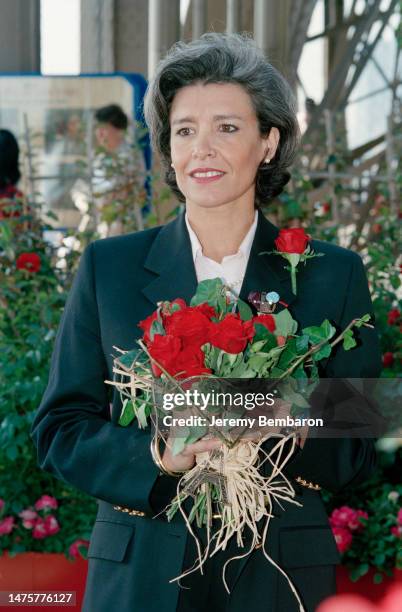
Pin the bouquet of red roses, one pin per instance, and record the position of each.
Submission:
(193, 347)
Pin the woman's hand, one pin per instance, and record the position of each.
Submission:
(186, 459)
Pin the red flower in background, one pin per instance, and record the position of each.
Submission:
(355, 524)
(29, 518)
(51, 525)
(39, 530)
(343, 538)
(347, 518)
(28, 261)
(393, 316)
(46, 501)
(232, 334)
(292, 240)
(74, 550)
(387, 359)
(6, 525)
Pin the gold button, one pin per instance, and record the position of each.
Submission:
(308, 484)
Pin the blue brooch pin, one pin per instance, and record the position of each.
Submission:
(264, 301)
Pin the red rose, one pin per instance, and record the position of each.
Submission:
(292, 240)
(164, 349)
(266, 320)
(207, 310)
(393, 316)
(28, 261)
(388, 359)
(168, 308)
(232, 334)
(146, 325)
(165, 311)
(190, 362)
(191, 325)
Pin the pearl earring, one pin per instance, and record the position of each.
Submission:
(267, 160)
(172, 165)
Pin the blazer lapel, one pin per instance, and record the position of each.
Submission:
(171, 258)
(266, 272)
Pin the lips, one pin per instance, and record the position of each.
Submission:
(206, 175)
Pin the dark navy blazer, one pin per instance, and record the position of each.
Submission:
(133, 557)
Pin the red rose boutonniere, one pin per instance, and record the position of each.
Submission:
(293, 245)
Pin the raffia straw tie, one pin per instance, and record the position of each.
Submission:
(250, 497)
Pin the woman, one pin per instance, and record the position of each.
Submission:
(223, 121)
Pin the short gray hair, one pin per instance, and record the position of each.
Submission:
(226, 58)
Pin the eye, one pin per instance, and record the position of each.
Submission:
(184, 131)
(228, 127)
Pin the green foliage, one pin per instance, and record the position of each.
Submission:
(374, 545)
(31, 304)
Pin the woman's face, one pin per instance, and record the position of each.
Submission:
(216, 145)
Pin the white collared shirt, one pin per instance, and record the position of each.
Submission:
(232, 267)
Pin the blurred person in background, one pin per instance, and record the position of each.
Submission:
(9, 174)
(117, 170)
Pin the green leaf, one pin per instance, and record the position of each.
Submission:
(245, 312)
(261, 333)
(179, 444)
(208, 291)
(129, 358)
(299, 373)
(156, 328)
(285, 324)
(289, 393)
(364, 319)
(323, 352)
(142, 414)
(257, 361)
(379, 559)
(289, 354)
(377, 578)
(127, 414)
(196, 433)
(317, 333)
(302, 344)
(348, 340)
(363, 569)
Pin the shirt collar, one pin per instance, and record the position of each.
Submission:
(244, 248)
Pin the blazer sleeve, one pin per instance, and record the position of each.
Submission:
(334, 463)
(74, 436)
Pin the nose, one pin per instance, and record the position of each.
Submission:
(202, 147)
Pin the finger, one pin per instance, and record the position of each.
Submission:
(202, 446)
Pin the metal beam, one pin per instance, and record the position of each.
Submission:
(345, 60)
(163, 29)
(233, 16)
(199, 18)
